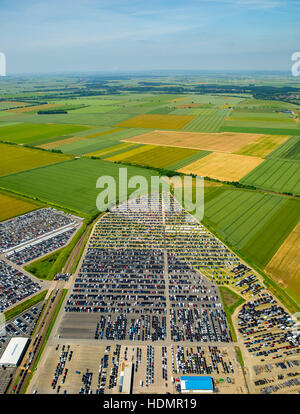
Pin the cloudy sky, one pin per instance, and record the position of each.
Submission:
(121, 35)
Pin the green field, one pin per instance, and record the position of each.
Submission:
(260, 130)
(36, 134)
(265, 104)
(289, 150)
(275, 175)
(262, 146)
(103, 141)
(161, 157)
(208, 120)
(188, 160)
(253, 222)
(14, 158)
(104, 119)
(70, 184)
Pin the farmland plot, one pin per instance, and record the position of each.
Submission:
(208, 120)
(157, 121)
(222, 166)
(289, 150)
(14, 158)
(70, 184)
(275, 175)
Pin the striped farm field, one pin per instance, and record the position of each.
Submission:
(70, 184)
(54, 144)
(89, 145)
(105, 152)
(208, 120)
(159, 157)
(109, 131)
(130, 153)
(275, 175)
(12, 207)
(284, 266)
(186, 161)
(263, 104)
(37, 134)
(108, 119)
(289, 150)
(222, 166)
(157, 121)
(14, 158)
(263, 145)
(259, 130)
(255, 223)
(227, 142)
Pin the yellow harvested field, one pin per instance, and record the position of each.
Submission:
(157, 121)
(223, 141)
(12, 207)
(284, 266)
(222, 166)
(34, 108)
(60, 142)
(130, 153)
(263, 145)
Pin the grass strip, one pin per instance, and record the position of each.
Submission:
(81, 250)
(230, 302)
(240, 357)
(15, 311)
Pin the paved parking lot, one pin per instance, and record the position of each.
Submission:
(14, 286)
(75, 368)
(138, 287)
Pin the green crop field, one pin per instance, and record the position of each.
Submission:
(103, 141)
(275, 175)
(36, 134)
(289, 150)
(160, 156)
(262, 146)
(208, 120)
(104, 119)
(14, 158)
(114, 150)
(188, 160)
(260, 130)
(265, 104)
(262, 120)
(255, 223)
(70, 184)
(216, 100)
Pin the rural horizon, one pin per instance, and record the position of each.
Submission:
(150, 203)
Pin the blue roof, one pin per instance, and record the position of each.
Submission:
(197, 383)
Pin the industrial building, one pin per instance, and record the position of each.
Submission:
(14, 352)
(196, 384)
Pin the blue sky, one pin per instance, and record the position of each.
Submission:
(121, 35)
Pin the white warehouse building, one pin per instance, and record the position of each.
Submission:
(14, 352)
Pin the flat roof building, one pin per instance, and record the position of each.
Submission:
(14, 352)
(196, 384)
